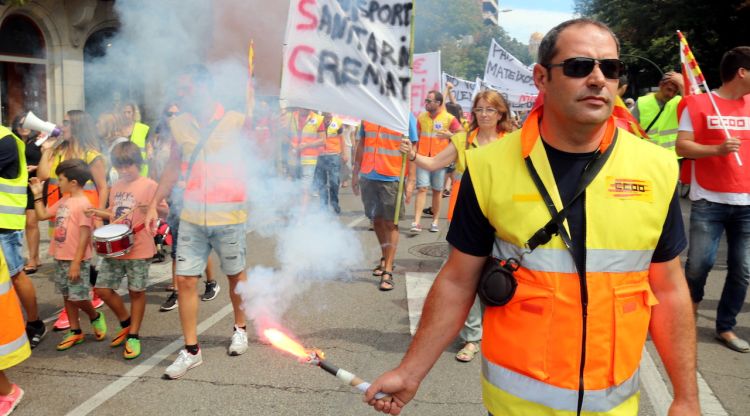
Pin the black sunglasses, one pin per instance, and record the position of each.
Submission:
(580, 67)
(172, 113)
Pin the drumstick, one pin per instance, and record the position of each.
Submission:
(128, 211)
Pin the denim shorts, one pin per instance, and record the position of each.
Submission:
(74, 291)
(435, 179)
(196, 242)
(112, 271)
(12, 244)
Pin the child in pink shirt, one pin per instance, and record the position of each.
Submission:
(128, 199)
(71, 247)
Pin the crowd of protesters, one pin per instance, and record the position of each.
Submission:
(120, 171)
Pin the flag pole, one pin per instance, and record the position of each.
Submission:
(402, 175)
(710, 95)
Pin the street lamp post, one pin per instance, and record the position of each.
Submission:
(645, 59)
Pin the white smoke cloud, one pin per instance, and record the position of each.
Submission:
(155, 40)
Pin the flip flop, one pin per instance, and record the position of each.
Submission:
(386, 284)
(465, 354)
(30, 270)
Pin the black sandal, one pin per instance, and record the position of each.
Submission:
(386, 284)
(378, 270)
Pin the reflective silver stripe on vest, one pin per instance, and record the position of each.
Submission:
(5, 287)
(214, 206)
(558, 398)
(668, 132)
(14, 345)
(89, 187)
(11, 189)
(560, 261)
(381, 151)
(385, 136)
(52, 181)
(13, 210)
(668, 145)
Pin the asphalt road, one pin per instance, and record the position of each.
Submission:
(360, 328)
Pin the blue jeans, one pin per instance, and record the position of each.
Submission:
(708, 220)
(327, 179)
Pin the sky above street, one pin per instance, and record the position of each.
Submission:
(528, 16)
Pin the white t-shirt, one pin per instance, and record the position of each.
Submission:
(696, 191)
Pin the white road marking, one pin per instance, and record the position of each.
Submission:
(133, 375)
(417, 287)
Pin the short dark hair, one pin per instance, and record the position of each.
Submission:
(623, 80)
(733, 60)
(438, 96)
(548, 46)
(126, 154)
(74, 170)
(455, 110)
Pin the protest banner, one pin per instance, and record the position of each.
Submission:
(463, 91)
(518, 101)
(350, 58)
(505, 71)
(426, 77)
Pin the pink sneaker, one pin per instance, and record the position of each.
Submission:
(62, 323)
(96, 300)
(9, 402)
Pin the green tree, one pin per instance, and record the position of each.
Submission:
(648, 29)
(442, 25)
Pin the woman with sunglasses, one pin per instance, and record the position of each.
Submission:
(79, 141)
(489, 122)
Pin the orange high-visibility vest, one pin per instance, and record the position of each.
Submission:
(532, 347)
(309, 134)
(381, 150)
(89, 188)
(720, 173)
(215, 189)
(14, 345)
(333, 138)
(429, 143)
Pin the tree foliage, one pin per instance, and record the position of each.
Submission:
(648, 29)
(443, 25)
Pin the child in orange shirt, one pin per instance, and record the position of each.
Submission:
(71, 247)
(128, 199)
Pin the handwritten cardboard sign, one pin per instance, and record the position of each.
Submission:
(507, 72)
(426, 78)
(350, 57)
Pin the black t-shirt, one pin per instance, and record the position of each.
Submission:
(9, 163)
(471, 232)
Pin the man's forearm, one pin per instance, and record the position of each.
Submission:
(167, 182)
(692, 150)
(673, 330)
(443, 315)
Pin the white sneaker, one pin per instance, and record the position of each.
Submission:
(239, 342)
(184, 362)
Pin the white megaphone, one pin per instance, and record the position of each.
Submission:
(33, 122)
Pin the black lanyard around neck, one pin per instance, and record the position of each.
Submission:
(555, 224)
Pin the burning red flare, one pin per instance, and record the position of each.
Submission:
(283, 342)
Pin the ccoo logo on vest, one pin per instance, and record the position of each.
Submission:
(733, 123)
(630, 189)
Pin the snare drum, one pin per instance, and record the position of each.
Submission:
(113, 240)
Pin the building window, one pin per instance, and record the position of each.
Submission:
(23, 68)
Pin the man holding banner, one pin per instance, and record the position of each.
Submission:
(376, 171)
(720, 188)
